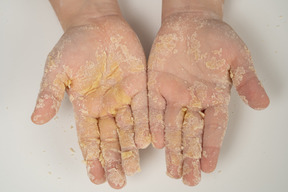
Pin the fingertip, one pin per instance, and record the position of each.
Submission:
(257, 100)
(209, 159)
(40, 118)
(115, 186)
(130, 162)
(45, 109)
(158, 144)
(173, 164)
(143, 144)
(190, 182)
(157, 136)
(116, 178)
(208, 168)
(173, 174)
(191, 172)
(262, 103)
(132, 170)
(95, 172)
(143, 138)
(35, 118)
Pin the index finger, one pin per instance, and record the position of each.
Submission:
(215, 124)
(89, 141)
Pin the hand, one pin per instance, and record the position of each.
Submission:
(101, 65)
(194, 59)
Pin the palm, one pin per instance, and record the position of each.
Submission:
(102, 67)
(190, 66)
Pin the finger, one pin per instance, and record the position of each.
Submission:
(156, 118)
(173, 124)
(89, 141)
(192, 147)
(215, 125)
(156, 109)
(51, 92)
(129, 151)
(111, 152)
(140, 114)
(246, 82)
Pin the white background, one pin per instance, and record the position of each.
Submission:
(34, 158)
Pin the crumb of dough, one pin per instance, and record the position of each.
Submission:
(201, 114)
(72, 150)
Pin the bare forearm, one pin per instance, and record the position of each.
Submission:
(80, 12)
(170, 7)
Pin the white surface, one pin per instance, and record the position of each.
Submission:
(38, 158)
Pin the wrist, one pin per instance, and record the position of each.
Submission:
(73, 13)
(206, 8)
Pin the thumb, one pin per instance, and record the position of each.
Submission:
(51, 92)
(246, 82)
